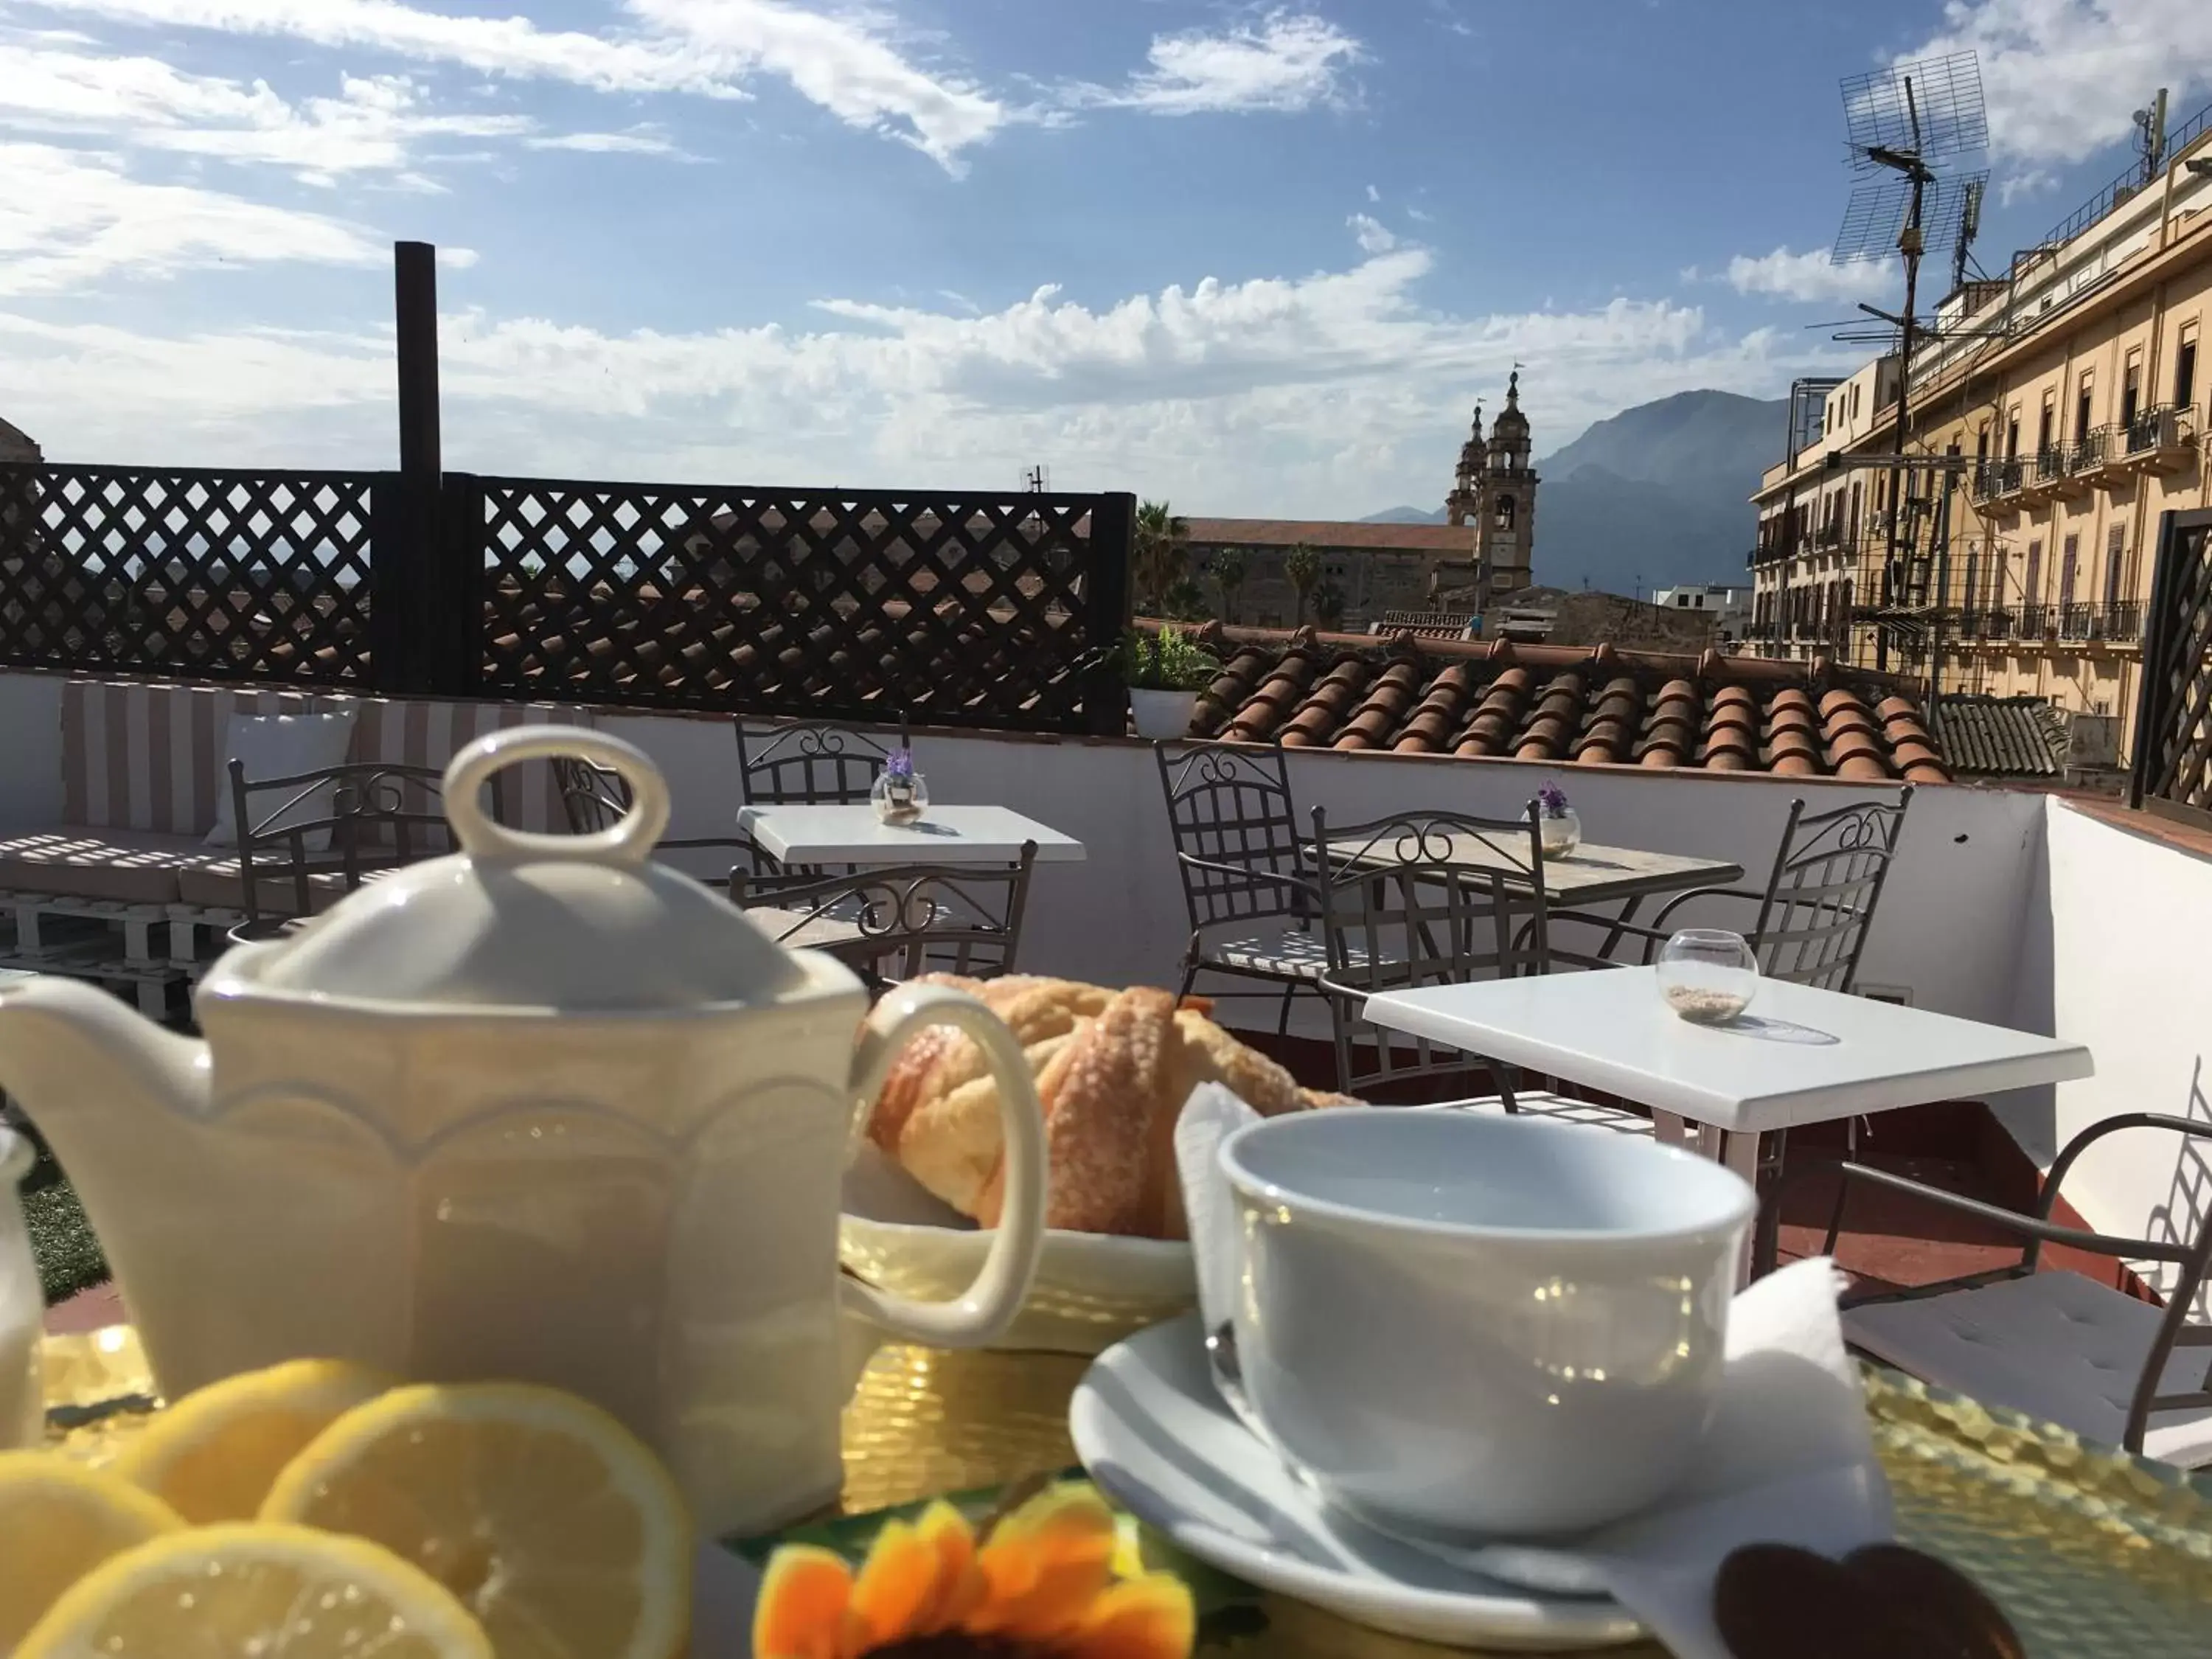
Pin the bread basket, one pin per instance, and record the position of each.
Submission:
(1091, 1289)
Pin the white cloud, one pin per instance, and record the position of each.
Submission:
(1373, 194)
(2062, 76)
(1372, 235)
(1813, 275)
(639, 141)
(1287, 62)
(708, 47)
(70, 217)
(1325, 394)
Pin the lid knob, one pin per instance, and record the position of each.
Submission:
(631, 840)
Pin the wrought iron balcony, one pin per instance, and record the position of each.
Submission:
(1993, 481)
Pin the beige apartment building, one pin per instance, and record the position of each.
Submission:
(2059, 412)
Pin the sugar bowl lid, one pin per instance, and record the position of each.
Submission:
(543, 924)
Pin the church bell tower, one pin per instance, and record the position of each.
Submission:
(1504, 501)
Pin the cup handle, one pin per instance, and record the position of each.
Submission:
(982, 1312)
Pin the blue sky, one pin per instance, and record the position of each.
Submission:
(1258, 258)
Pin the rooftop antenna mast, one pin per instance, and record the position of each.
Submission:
(1902, 122)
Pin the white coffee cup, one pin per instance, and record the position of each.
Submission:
(1478, 1325)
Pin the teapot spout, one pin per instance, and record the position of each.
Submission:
(84, 1067)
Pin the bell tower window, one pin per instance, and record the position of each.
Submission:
(1505, 512)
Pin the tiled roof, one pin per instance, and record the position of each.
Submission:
(1590, 705)
(1324, 532)
(2002, 736)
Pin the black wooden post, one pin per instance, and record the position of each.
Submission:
(415, 308)
(425, 639)
(1106, 606)
(2158, 635)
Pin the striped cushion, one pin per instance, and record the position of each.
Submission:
(140, 756)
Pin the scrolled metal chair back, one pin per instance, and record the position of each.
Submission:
(594, 797)
(1423, 898)
(809, 765)
(912, 918)
(1820, 899)
(1236, 830)
(379, 815)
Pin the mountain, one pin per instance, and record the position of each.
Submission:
(1654, 496)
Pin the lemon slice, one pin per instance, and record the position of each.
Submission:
(59, 1520)
(552, 1524)
(270, 1592)
(214, 1454)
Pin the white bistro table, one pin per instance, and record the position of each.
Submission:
(840, 833)
(1798, 1056)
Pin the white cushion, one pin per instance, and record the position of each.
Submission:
(281, 746)
(2055, 1345)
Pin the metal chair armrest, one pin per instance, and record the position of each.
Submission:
(2033, 1230)
(1659, 921)
(1298, 886)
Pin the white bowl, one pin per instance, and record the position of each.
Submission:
(1091, 1289)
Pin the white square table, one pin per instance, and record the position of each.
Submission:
(1797, 1055)
(850, 833)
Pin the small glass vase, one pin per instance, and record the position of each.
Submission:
(899, 799)
(1561, 832)
(1707, 975)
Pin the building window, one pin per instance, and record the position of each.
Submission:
(2115, 554)
(1974, 577)
(2032, 589)
(1855, 402)
(2084, 402)
(1504, 520)
(2043, 432)
(2012, 433)
(2184, 368)
(2131, 388)
(1982, 442)
(2067, 561)
(1852, 529)
(2000, 560)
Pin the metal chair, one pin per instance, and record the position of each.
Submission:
(1246, 882)
(813, 764)
(371, 816)
(594, 798)
(1402, 905)
(2054, 1345)
(964, 920)
(1811, 924)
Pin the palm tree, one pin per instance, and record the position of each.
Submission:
(1163, 554)
(1302, 569)
(1328, 604)
(1230, 569)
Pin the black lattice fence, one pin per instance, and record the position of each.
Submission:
(961, 610)
(2173, 757)
(185, 572)
(952, 609)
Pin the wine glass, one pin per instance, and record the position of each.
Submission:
(1708, 975)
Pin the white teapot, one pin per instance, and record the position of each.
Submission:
(542, 1110)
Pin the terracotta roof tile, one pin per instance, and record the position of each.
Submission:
(1562, 704)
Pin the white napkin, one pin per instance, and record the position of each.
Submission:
(1789, 1457)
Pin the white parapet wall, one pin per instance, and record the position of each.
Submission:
(1949, 929)
(2114, 955)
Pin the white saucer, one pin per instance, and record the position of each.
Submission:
(1153, 1433)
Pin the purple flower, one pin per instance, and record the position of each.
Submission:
(900, 765)
(1553, 799)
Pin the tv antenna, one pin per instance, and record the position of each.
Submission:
(1037, 480)
(1914, 127)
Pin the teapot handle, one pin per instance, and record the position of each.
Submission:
(630, 841)
(982, 1312)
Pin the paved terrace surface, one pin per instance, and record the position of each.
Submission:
(1588, 706)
